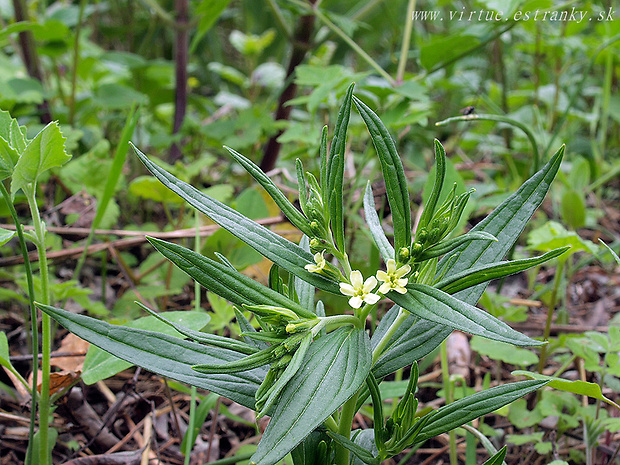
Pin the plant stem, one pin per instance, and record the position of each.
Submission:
(344, 429)
(46, 327)
(34, 327)
(378, 351)
(445, 377)
(76, 57)
(404, 51)
(500, 119)
(554, 298)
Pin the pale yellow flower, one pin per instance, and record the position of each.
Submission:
(359, 290)
(319, 259)
(393, 280)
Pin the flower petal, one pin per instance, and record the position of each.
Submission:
(347, 289)
(371, 298)
(382, 276)
(369, 284)
(385, 288)
(356, 278)
(355, 302)
(402, 271)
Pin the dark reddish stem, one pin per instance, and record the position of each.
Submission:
(180, 97)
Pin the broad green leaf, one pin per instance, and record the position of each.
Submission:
(289, 210)
(505, 352)
(552, 235)
(366, 439)
(279, 250)
(471, 407)
(225, 282)
(393, 175)
(506, 223)
(5, 359)
(374, 224)
(14, 135)
(147, 187)
(335, 170)
(481, 274)
(165, 355)
(573, 209)
(208, 11)
(99, 364)
(582, 388)
(305, 291)
(45, 151)
(5, 236)
(8, 159)
(434, 305)
(335, 367)
(413, 340)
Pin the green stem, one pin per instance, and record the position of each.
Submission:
(500, 119)
(46, 327)
(277, 13)
(76, 57)
(34, 327)
(404, 51)
(445, 377)
(554, 298)
(378, 351)
(350, 42)
(344, 429)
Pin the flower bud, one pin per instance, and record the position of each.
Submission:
(403, 255)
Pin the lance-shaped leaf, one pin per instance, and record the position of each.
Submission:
(506, 223)
(440, 175)
(471, 407)
(358, 451)
(374, 224)
(279, 250)
(481, 274)
(334, 368)
(204, 338)
(434, 305)
(414, 339)
(447, 246)
(165, 355)
(45, 151)
(219, 278)
(393, 175)
(498, 458)
(294, 215)
(335, 169)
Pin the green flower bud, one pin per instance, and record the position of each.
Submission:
(403, 255)
(421, 236)
(416, 249)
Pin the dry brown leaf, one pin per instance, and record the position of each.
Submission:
(61, 380)
(459, 354)
(71, 344)
(22, 392)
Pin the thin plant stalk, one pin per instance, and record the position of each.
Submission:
(76, 57)
(501, 119)
(46, 327)
(445, 377)
(404, 51)
(552, 303)
(344, 429)
(34, 327)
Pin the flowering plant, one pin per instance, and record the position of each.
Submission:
(310, 372)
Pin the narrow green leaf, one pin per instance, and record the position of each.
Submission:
(255, 360)
(279, 250)
(497, 459)
(246, 327)
(377, 411)
(290, 371)
(45, 151)
(471, 407)
(204, 338)
(334, 368)
(434, 305)
(505, 223)
(335, 169)
(302, 186)
(393, 174)
(225, 282)
(440, 175)
(293, 215)
(582, 388)
(481, 274)
(305, 291)
(5, 236)
(613, 254)
(447, 246)
(361, 453)
(165, 355)
(414, 339)
(374, 224)
(323, 163)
